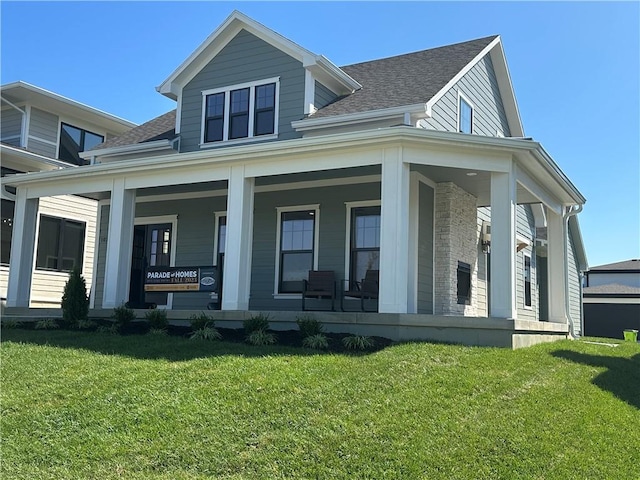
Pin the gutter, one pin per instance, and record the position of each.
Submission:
(310, 123)
(126, 149)
(573, 210)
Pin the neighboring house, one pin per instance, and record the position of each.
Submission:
(43, 131)
(279, 162)
(611, 298)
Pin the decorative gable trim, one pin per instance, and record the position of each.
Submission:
(318, 65)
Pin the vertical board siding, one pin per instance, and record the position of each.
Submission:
(43, 125)
(332, 236)
(324, 96)
(575, 292)
(480, 86)
(246, 58)
(11, 125)
(425, 249)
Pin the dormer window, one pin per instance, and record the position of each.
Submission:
(465, 115)
(240, 111)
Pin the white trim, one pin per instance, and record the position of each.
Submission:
(309, 93)
(178, 114)
(48, 142)
(216, 229)
(347, 245)
(120, 150)
(237, 141)
(316, 240)
(462, 97)
(227, 111)
(611, 299)
(173, 220)
(27, 125)
(10, 137)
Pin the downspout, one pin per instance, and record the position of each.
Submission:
(23, 124)
(571, 211)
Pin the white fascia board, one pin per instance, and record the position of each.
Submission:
(32, 160)
(461, 74)
(578, 243)
(507, 93)
(15, 87)
(554, 170)
(124, 149)
(331, 75)
(215, 42)
(528, 181)
(311, 123)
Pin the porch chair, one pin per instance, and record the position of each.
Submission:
(320, 285)
(366, 289)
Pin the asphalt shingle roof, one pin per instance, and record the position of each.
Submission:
(633, 264)
(611, 289)
(407, 79)
(159, 128)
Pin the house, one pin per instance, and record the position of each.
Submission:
(42, 131)
(611, 299)
(276, 162)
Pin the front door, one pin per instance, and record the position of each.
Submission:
(151, 248)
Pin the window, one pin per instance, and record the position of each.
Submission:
(74, 140)
(241, 111)
(7, 230)
(220, 232)
(465, 115)
(527, 281)
(60, 244)
(464, 283)
(297, 248)
(365, 241)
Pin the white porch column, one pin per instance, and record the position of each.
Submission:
(503, 246)
(394, 234)
(117, 271)
(23, 242)
(556, 262)
(239, 241)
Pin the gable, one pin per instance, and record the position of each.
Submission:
(245, 58)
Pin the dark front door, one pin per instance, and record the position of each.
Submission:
(151, 248)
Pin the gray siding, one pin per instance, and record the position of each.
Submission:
(42, 148)
(331, 254)
(480, 86)
(11, 125)
(425, 249)
(43, 125)
(575, 293)
(324, 96)
(482, 285)
(246, 58)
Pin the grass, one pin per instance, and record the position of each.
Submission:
(90, 405)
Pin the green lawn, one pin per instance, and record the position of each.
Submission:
(88, 405)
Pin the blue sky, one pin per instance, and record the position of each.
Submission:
(574, 68)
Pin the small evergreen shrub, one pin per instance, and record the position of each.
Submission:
(358, 342)
(261, 337)
(201, 320)
(123, 316)
(206, 333)
(309, 326)
(157, 319)
(75, 302)
(319, 341)
(258, 322)
(46, 324)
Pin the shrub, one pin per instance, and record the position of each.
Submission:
(111, 329)
(201, 320)
(86, 325)
(157, 331)
(10, 324)
(122, 317)
(157, 319)
(256, 323)
(46, 324)
(319, 341)
(358, 342)
(75, 302)
(206, 333)
(261, 337)
(309, 326)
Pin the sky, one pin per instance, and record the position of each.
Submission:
(574, 67)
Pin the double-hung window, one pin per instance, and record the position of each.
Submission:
(240, 111)
(60, 244)
(297, 247)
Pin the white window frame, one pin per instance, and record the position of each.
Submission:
(463, 97)
(216, 231)
(347, 246)
(227, 96)
(316, 243)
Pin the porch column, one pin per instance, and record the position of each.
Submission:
(117, 271)
(394, 234)
(556, 267)
(503, 246)
(23, 242)
(239, 241)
